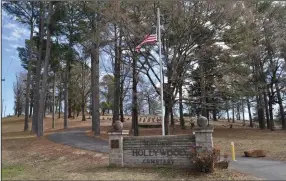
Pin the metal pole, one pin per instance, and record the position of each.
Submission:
(2, 103)
(161, 71)
(4, 111)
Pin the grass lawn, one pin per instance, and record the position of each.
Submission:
(25, 157)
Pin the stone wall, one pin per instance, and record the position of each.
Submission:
(158, 151)
(153, 151)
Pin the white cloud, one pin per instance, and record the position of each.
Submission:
(16, 33)
(10, 38)
(4, 14)
(14, 46)
(10, 26)
(8, 50)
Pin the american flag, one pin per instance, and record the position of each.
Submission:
(152, 38)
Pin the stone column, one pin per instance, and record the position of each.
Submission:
(204, 137)
(116, 147)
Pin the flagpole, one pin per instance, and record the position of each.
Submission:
(161, 71)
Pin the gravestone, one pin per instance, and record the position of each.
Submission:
(143, 120)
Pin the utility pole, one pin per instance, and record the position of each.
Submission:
(2, 107)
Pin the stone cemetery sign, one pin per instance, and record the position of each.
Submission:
(153, 151)
(158, 150)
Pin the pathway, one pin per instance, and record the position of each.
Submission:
(265, 169)
(77, 138)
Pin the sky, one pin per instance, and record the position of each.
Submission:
(13, 36)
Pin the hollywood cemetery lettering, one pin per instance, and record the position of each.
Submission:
(168, 150)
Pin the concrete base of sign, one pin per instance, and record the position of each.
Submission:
(116, 147)
(204, 138)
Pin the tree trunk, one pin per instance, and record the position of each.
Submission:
(54, 87)
(26, 126)
(270, 103)
(66, 86)
(171, 113)
(203, 91)
(149, 103)
(51, 109)
(228, 120)
(83, 110)
(121, 97)
(266, 109)
(172, 117)
(238, 111)
(249, 112)
(242, 109)
(38, 73)
(73, 116)
(182, 121)
(121, 108)
(281, 108)
(214, 114)
(31, 104)
(260, 111)
(95, 78)
(69, 107)
(233, 112)
(45, 75)
(116, 102)
(83, 93)
(67, 101)
(60, 101)
(167, 113)
(134, 98)
(45, 109)
(56, 105)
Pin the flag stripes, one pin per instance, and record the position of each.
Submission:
(148, 39)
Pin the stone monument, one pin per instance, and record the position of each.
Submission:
(117, 126)
(202, 122)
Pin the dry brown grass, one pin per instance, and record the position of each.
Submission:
(26, 157)
(274, 143)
